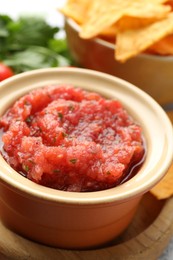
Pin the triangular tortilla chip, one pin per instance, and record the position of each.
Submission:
(76, 10)
(131, 42)
(164, 189)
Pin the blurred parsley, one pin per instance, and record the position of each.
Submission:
(30, 43)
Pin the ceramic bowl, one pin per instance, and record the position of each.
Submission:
(151, 73)
(87, 219)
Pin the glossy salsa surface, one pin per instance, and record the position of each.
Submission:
(69, 139)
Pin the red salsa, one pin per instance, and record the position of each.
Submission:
(69, 139)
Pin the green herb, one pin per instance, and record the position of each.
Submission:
(30, 43)
(73, 160)
(25, 167)
(71, 107)
(54, 139)
(64, 134)
(31, 161)
(18, 119)
(27, 103)
(28, 119)
(56, 171)
(39, 130)
(60, 115)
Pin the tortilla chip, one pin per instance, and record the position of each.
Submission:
(102, 14)
(148, 10)
(110, 32)
(164, 189)
(131, 42)
(132, 23)
(76, 10)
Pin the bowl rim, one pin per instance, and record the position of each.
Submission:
(112, 46)
(116, 194)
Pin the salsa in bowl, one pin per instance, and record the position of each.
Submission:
(73, 219)
(71, 139)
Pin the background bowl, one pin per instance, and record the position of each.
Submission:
(73, 219)
(151, 73)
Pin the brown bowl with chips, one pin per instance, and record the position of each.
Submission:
(134, 44)
(71, 219)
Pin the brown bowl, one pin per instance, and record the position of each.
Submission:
(151, 73)
(74, 219)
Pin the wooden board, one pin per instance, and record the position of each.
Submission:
(146, 237)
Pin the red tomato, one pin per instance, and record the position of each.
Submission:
(5, 72)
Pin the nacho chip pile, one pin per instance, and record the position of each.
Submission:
(164, 190)
(134, 25)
